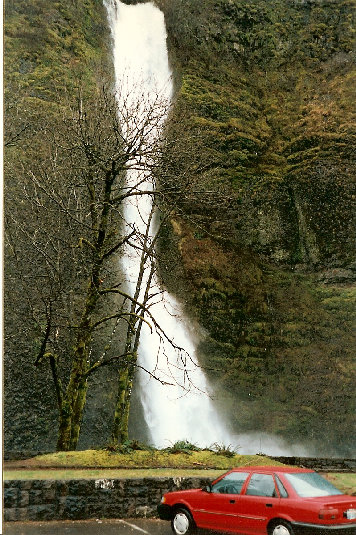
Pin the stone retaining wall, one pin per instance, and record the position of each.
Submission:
(320, 464)
(88, 498)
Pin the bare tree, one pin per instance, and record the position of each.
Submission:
(67, 234)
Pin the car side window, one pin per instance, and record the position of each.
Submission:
(230, 484)
(282, 491)
(262, 485)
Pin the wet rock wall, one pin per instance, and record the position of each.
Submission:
(38, 500)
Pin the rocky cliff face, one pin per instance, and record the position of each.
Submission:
(267, 240)
(261, 246)
(53, 52)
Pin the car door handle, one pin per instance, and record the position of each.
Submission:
(269, 505)
(232, 501)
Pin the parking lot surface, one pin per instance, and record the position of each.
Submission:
(90, 527)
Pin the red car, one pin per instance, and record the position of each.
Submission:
(260, 500)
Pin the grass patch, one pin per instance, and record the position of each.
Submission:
(345, 482)
(96, 459)
(151, 459)
(109, 474)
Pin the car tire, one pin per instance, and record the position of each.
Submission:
(280, 527)
(182, 522)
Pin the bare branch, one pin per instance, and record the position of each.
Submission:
(121, 358)
(117, 246)
(121, 315)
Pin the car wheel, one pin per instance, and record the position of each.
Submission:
(280, 527)
(182, 522)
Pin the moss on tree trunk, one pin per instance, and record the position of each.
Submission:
(120, 431)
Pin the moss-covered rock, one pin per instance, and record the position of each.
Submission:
(54, 51)
(268, 88)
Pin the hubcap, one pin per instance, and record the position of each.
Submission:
(280, 530)
(181, 523)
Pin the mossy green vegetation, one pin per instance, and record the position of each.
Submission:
(268, 87)
(55, 53)
(281, 343)
(151, 458)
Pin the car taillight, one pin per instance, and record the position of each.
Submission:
(328, 513)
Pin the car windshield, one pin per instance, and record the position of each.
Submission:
(311, 484)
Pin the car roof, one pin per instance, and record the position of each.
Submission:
(273, 468)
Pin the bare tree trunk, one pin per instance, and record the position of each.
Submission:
(70, 414)
(71, 411)
(78, 410)
(120, 431)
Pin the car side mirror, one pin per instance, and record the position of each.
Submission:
(208, 488)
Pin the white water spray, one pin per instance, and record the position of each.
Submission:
(181, 409)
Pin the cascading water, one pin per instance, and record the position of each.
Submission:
(180, 409)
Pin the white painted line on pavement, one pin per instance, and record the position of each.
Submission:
(134, 527)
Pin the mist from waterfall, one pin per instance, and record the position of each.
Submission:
(182, 408)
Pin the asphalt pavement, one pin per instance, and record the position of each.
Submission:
(135, 526)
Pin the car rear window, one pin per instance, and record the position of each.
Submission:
(311, 485)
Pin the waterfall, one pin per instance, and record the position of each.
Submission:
(180, 409)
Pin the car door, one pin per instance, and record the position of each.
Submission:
(258, 503)
(219, 509)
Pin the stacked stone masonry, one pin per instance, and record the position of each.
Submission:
(320, 464)
(88, 498)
